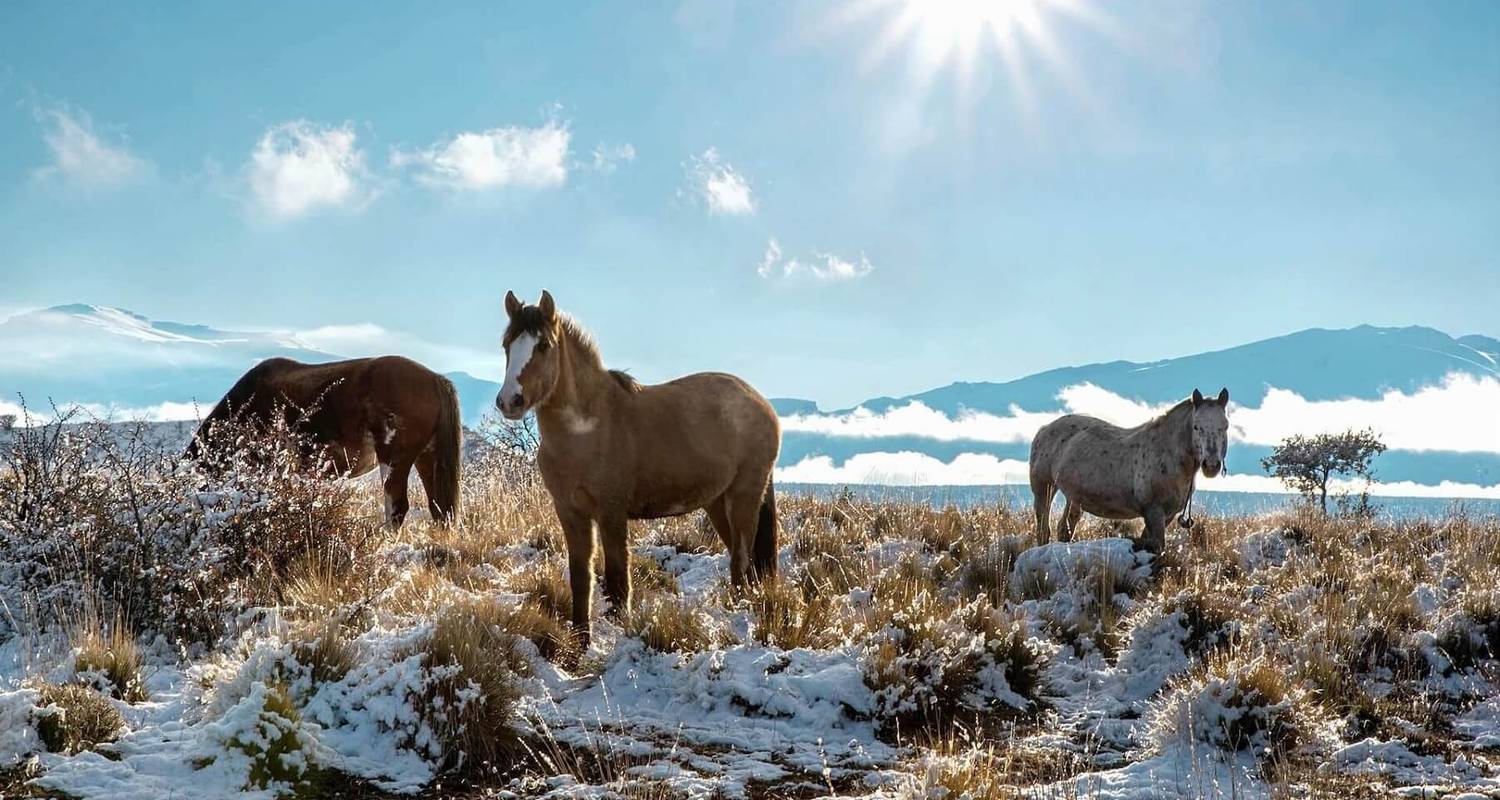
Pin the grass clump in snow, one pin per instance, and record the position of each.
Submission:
(666, 624)
(76, 718)
(325, 649)
(931, 659)
(476, 670)
(790, 615)
(110, 662)
(1234, 704)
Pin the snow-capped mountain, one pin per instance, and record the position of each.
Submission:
(112, 357)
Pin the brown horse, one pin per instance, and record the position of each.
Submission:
(388, 411)
(1123, 473)
(613, 450)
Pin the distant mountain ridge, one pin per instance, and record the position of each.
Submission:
(108, 356)
(1318, 364)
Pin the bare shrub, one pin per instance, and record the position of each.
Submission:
(98, 517)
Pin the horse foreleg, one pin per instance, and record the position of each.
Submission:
(578, 532)
(614, 534)
(1155, 536)
(393, 479)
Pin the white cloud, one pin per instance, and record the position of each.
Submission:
(161, 412)
(1457, 415)
(721, 186)
(908, 468)
(299, 166)
(609, 157)
(496, 158)
(362, 340)
(821, 267)
(80, 156)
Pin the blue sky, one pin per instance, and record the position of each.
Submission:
(1135, 181)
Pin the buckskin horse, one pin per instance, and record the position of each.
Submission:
(613, 450)
(1123, 473)
(389, 412)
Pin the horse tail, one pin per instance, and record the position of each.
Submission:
(447, 443)
(766, 548)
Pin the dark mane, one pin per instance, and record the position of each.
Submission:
(625, 380)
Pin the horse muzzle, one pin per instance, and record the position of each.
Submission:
(513, 407)
(1211, 469)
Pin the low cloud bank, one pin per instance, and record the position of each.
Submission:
(908, 468)
(1457, 415)
(87, 412)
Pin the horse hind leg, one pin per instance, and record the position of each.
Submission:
(1069, 522)
(425, 474)
(742, 508)
(1042, 497)
(393, 479)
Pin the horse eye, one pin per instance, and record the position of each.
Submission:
(543, 345)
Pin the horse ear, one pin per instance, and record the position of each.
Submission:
(1197, 398)
(548, 307)
(512, 304)
(1224, 396)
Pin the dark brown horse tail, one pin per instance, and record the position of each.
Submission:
(447, 444)
(766, 548)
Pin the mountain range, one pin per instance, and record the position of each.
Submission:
(109, 356)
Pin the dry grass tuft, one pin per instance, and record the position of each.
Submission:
(475, 668)
(110, 662)
(666, 624)
(77, 718)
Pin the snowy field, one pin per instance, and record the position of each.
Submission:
(164, 633)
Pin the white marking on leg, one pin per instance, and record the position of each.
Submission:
(519, 354)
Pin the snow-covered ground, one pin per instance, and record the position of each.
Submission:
(938, 656)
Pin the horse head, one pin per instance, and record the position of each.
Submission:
(1210, 431)
(532, 364)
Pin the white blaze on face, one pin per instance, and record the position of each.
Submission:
(516, 358)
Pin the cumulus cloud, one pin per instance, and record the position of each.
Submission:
(80, 156)
(609, 157)
(908, 468)
(298, 167)
(821, 266)
(1457, 415)
(720, 185)
(497, 158)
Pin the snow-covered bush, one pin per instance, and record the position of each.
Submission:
(99, 519)
(930, 660)
(261, 742)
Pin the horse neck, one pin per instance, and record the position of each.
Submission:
(582, 382)
(1174, 432)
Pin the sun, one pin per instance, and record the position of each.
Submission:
(963, 38)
